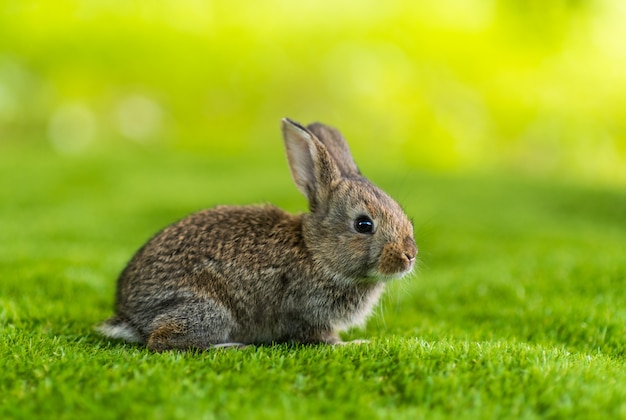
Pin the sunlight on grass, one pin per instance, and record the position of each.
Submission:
(517, 309)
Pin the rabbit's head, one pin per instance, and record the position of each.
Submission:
(354, 230)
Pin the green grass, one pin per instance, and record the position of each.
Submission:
(518, 308)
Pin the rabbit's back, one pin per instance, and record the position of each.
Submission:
(225, 235)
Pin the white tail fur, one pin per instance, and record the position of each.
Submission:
(119, 330)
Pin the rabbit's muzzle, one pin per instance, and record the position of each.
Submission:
(398, 258)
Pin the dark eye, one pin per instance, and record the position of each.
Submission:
(364, 224)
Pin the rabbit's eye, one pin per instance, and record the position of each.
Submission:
(364, 224)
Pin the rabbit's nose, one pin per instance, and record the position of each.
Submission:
(410, 249)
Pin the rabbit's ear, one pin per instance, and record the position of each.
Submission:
(337, 147)
(312, 168)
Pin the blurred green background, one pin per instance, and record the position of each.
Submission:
(512, 85)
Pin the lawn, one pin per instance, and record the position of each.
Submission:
(518, 308)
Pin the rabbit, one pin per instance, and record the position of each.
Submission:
(255, 275)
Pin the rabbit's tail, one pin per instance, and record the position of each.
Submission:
(119, 328)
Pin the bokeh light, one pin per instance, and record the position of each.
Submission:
(528, 86)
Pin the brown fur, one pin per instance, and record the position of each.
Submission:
(260, 275)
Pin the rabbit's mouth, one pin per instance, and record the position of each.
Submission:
(377, 275)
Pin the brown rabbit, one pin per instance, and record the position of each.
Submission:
(251, 275)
